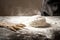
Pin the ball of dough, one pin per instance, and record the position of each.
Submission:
(38, 21)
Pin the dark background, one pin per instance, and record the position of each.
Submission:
(19, 7)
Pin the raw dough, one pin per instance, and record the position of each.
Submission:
(39, 21)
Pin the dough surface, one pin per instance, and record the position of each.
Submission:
(39, 21)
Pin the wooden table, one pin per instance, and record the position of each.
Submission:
(31, 33)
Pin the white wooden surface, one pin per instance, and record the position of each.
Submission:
(54, 21)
